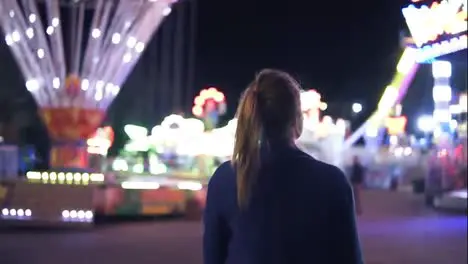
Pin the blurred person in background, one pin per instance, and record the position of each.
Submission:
(274, 204)
(357, 181)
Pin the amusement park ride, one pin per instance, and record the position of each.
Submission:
(74, 69)
(74, 77)
(438, 28)
(432, 37)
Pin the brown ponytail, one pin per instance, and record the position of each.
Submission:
(246, 156)
(269, 110)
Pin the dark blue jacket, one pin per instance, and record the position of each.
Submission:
(301, 211)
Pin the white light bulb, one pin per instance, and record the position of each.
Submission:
(65, 214)
(96, 33)
(32, 18)
(50, 30)
(127, 57)
(20, 212)
(89, 215)
(131, 42)
(40, 53)
(116, 38)
(167, 11)
(109, 87)
(56, 83)
(30, 33)
(8, 40)
(55, 22)
(32, 85)
(140, 46)
(15, 36)
(81, 214)
(11, 13)
(73, 214)
(98, 95)
(27, 212)
(115, 90)
(100, 85)
(84, 84)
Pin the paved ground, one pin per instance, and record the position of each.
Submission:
(395, 229)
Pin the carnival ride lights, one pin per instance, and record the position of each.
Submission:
(74, 90)
(138, 142)
(151, 185)
(428, 23)
(393, 94)
(321, 137)
(442, 92)
(16, 213)
(179, 135)
(138, 138)
(178, 146)
(65, 177)
(100, 142)
(188, 138)
(324, 140)
(425, 123)
(175, 135)
(77, 215)
(209, 105)
(311, 105)
(463, 103)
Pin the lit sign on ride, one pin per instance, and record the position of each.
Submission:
(396, 125)
(437, 27)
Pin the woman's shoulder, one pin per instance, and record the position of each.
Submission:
(223, 173)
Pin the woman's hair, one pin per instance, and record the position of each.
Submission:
(268, 110)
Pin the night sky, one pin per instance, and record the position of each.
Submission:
(347, 50)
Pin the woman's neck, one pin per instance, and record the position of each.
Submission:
(280, 142)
